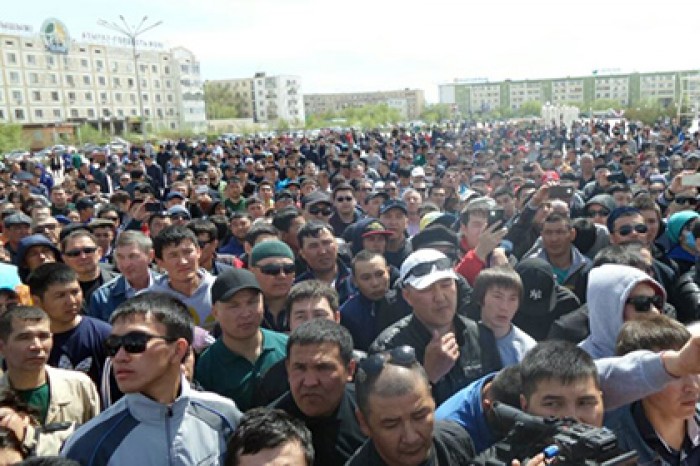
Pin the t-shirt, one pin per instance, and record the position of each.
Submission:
(82, 348)
(229, 374)
(514, 345)
(38, 398)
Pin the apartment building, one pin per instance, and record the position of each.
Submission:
(409, 102)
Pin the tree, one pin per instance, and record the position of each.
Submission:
(649, 111)
(436, 113)
(367, 116)
(531, 108)
(11, 138)
(221, 102)
(88, 133)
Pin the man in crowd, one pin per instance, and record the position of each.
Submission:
(151, 336)
(394, 215)
(133, 256)
(244, 351)
(82, 254)
(272, 263)
(345, 212)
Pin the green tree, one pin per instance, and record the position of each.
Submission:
(222, 102)
(436, 113)
(606, 104)
(11, 138)
(531, 108)
(649, 111)
(88, 133)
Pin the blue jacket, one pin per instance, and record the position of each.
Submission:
(140, 431)
(106, 298)
(343, 284)
(465, 408)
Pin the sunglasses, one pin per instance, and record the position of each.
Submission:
(426, 268)
(179, 217)
(643, 303)
(78, 252)
(370, 367)
(325, 211)
(276, 269)
(133, 342)
(686, 200)
(626, 230)
(344, 199)
(598, 213)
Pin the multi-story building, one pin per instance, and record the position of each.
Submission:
(410, 102)
(266, 99)
(626, 89)
(48, 78)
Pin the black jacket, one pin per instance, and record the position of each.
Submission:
(687, 297)
(335, 438)
(452, 446)
(478, 353)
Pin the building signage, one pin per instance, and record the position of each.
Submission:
(14, 28)
(55, 36)
(120, 41)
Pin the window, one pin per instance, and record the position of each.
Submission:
(84, 62)
(118, 96)
(38, 113)
(117, 82)
(156, 84)
(143, 68)
(154, 68)
(14, 77)
(54, 96)
(166, 69)
(70, 80)
(91, 113)
(2, 114)
(101, 81)
(71, 96)
(33, 78)
(130, 82)
(50, 60)
(158, 98)
(74, 113)
(31, 59)
(88, 96)
(105, 112)
(170, 98)
(103, 97)
(98, 63)
(11, 58)
(86, 80)
(132, 98)
(36, 96)
(53, 79)
(115, 67)
(19, 114)
(120, 112)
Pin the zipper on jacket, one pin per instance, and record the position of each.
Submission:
(168, 442)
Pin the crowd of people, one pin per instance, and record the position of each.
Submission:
(360, 298)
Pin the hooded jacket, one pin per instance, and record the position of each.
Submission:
(608, 288)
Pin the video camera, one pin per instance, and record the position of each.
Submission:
(578, 444)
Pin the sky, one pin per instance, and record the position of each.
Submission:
(368, 45)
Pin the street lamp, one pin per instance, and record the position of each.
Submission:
(132, 33)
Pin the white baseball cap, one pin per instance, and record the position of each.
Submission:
(424, 267)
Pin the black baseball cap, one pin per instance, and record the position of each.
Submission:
(231, 282)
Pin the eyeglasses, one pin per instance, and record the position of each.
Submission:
(203, 243)
(133, 342)
(344, 199)
(78, 252)
(643, 303)
(179, 217)
(626, 230)
(370, 367)
(426, 268)
(598, 213)
(325, 211)
(686, 200)
(276, 269)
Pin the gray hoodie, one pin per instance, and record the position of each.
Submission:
(608, 288)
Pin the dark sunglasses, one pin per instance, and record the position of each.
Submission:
(325, 211)
(78, 252)
(179, 217)
(133, 342)
(276, 269)
(643, 303)
(626, 230)
(370, 367)
(598, 213)
(686, 200)
(344, 199)
(425, 268)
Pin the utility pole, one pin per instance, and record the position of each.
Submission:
(132, 33)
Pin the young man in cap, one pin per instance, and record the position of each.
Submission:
(16, 227)
(35, 250)
(367, 234)
(317, 206)
(394, 215)
(345, 212)
(272, 263)
(244, 351)
(81, 253)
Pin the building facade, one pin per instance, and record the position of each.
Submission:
(409, 102)
(627, 89)
(266, 99)
(49, 78)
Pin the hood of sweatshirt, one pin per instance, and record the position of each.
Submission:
(608, 288)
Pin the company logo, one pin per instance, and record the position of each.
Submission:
(55, 36)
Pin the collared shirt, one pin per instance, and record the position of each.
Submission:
(130, 291)
(229, 374)
(688, 455)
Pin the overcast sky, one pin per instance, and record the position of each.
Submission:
(365, 45)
